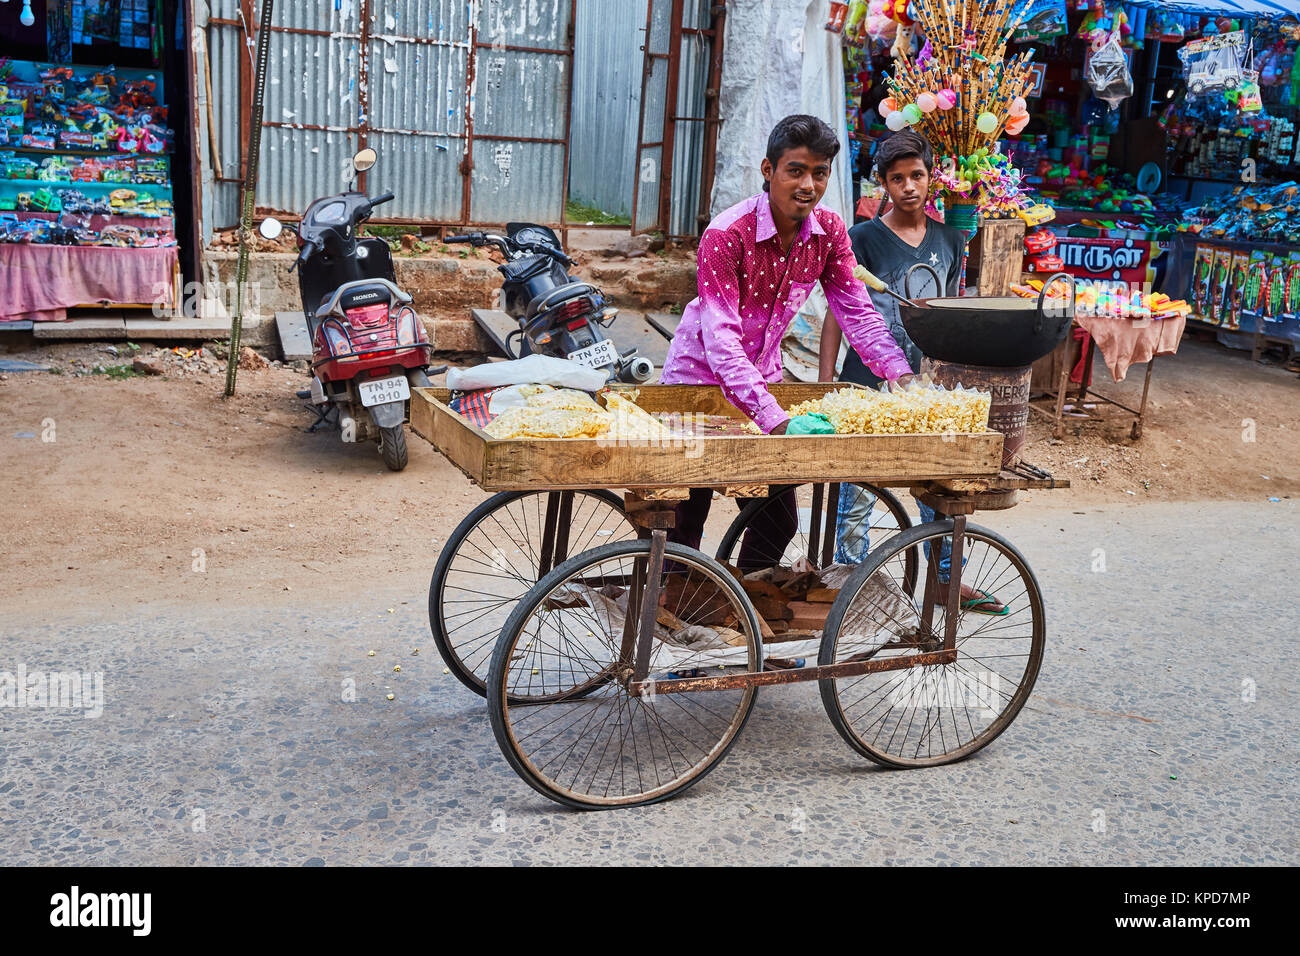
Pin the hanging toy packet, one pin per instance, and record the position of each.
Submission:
(1213, 64)
(1040, 21)
(1108, 74)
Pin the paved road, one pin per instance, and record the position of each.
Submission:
(224, 737)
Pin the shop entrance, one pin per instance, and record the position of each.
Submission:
(96, 200)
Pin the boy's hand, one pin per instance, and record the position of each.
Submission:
(902, 380)
(780, 429)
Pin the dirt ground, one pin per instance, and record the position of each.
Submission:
(144, 480)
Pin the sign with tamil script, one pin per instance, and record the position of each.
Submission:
(1125, 260)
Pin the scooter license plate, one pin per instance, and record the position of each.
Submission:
(596, 356)
(381, 391)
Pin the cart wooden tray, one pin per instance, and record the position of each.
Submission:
(703, 460)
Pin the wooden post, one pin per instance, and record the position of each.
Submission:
(997, 252)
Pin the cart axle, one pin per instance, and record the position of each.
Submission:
(759, 678)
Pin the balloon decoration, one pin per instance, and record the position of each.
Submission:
(912, 113)
(896, 120)
(970, 65)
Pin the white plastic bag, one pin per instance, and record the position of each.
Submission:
(529, 370)
(1108, 74)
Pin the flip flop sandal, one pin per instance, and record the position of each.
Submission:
(684, 675)
(973, 604)
(783, 663)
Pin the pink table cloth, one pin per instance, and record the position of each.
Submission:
(40, 282)
(1125, 342)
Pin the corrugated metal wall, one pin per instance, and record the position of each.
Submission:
(521, 100)
(608, 64)
(408, 98)
(443, 80)
(225, 46)
(684, 123)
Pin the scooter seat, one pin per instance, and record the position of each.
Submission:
(362, 292)
(558, 296)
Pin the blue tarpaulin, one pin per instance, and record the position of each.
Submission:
(1260, 9)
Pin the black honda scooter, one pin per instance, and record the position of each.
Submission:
(558, 314)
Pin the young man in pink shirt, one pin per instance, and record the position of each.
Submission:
(757, 263)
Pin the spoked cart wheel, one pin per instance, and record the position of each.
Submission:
(572, 688)
(956, 678)
(811, 510)
(497, 553)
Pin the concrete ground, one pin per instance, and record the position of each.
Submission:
(1163, 730)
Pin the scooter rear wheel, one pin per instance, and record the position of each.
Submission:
(392, 447)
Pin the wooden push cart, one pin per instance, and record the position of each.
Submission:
(619, 668)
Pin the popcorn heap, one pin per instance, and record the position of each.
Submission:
(630, 421)
(917, 409)
(551, 413)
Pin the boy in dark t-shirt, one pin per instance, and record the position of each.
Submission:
(889, 246)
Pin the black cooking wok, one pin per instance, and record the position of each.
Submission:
(996, 331)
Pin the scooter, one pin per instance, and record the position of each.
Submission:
(558, 314)
(368, 345)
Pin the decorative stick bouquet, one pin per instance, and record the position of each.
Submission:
(961, 91)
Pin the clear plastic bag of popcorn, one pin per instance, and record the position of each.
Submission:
(540, 422)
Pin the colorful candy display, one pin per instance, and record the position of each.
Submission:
(1117, 300)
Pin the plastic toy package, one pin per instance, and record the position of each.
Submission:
(1213, 64)
(1266, 214)
(1042, 21)
(1108, 75)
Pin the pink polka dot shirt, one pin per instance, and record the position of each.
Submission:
(750, 291)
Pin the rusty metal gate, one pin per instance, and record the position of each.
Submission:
(467, 103)
(678, 130)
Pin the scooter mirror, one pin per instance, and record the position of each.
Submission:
(270, 228)
(364, 159)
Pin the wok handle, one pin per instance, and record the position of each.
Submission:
(1051, 280)
(907, 279)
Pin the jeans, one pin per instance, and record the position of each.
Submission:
(853, 526)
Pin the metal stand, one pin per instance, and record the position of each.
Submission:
(329, 417)
(1057, 416)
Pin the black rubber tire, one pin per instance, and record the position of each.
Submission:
(499, 702)
(731, 539)
(879, 556)
(392, 447)
(451, 654)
